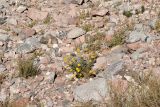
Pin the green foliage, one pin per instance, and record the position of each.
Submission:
(116, 40)
(94, 43)
(157, 28)
(2, 77)
(33, 23)
(83, 15)
(88, 27)
(127, 13)
(142, 9)
(27, 68)
(80, 66)
(47, 20)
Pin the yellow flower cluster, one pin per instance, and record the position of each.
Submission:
(80, 66)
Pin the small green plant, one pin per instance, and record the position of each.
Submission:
(127, 13)
(94, 42)
(88, 27)
(47, 20)
(84, 15)
(2, 77)
(142, 9)
(116, 40)
(80, 66)
(27, 68)
(32, 23)
(157, 28)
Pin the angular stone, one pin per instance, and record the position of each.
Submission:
(12, 21)
(2, 20)
(101, 12)
(95, 90)
(21, 9)
(35, 14)
(76, 32)
(112, 70)
(136, 36)
(4, 37)
(28, 32)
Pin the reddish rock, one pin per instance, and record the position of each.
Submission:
(35, 14)
(134, 46)
(119, 85)
(100, 12)
(29, 32)
(22, 102)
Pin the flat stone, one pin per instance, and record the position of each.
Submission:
(30, 45)
(76, 32)
(36, 14)
(21, 9)
(28, 32)
(95, 90)
(100, 12)
(12, 21)
(2, 20)
(4, 37)
(136, 36)
(2, 68)
(101, 63)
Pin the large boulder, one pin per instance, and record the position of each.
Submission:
(95, 90)
(76, 32)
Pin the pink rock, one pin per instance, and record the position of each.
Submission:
(100, 12)
(101, 62)
(35, 14)
(29, 32)
(119, 85)
(44, 60)
(134, 46)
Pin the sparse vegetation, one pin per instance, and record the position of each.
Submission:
(127, 13)
(117, 39)
(79, 65)
(27, 68)
(83, 14)
(144, 92)
(32, 23)
(47, 20)
(88, 27)
(94, 42)
(157, 28)
(2, 77)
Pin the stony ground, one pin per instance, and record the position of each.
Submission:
(54, 28)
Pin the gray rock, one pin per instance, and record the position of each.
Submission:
(3, 95)
(25, 48)
(136, 36)
(76, 32)
(152, 23)
(4, 37)
(32, 41)
(114, 57)
(49, 39)
(80, 2)
(95, 90)
(2, 68)
(30, 45)
(12, 21)
(21, 9)
(50, 77)
(112, 70)
(138, 27)
(137, 54)
(2, 20)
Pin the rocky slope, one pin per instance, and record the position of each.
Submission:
(54, 28)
